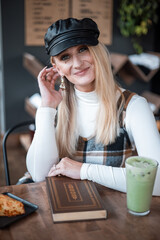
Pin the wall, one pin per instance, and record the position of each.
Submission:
(18, 83)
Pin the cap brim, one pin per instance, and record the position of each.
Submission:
(67, 43)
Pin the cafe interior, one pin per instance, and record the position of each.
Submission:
(135, 61)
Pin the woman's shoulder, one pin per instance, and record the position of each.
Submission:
(124, 96)
(137, 100)
(138, 105)
(132, 98)
(132, 102)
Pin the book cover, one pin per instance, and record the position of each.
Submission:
(74, 200)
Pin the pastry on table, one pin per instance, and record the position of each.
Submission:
(10, 207)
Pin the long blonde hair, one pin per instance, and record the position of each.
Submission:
(107, 118)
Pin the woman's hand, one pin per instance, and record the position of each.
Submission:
(66, 167)
(46, 81)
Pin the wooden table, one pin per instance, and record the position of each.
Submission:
(119, 225)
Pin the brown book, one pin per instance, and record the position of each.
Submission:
(74, 200)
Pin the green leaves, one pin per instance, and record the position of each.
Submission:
(136, 18)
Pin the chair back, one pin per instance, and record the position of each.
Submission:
(24, 124)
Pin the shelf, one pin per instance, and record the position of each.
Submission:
(129, 71)
(152, 98)
(33, 65)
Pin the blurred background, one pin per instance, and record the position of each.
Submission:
(17, 83)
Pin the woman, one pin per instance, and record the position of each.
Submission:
(90, 126)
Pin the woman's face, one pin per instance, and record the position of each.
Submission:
(77, 65)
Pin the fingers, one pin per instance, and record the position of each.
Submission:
(66, 167)
(51, 74)
(48, 75)
(41, 75)
(54, 171)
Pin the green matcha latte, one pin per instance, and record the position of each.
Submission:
(140, 177)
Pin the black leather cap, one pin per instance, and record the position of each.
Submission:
(70, 32)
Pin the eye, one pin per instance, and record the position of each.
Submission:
(64, 57)
(83, 49)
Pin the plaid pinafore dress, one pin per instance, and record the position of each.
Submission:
(113, 154)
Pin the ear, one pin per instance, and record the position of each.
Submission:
(57, 68)
(54, 65)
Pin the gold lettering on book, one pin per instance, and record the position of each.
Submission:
(72, 191)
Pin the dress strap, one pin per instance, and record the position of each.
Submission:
(127, 95)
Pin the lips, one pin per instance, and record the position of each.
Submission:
(81, 72)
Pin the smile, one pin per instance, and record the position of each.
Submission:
(81, 72)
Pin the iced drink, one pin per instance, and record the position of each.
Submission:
(140, 177)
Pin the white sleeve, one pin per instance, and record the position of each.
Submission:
(142, 129)
(43, 152)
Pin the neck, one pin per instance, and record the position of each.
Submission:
(88, 88)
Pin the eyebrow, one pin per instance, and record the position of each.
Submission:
(63, 53)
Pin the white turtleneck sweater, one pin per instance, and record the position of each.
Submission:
(140, 126)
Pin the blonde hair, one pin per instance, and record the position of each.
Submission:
(107, 118)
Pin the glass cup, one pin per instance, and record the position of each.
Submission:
(140, 178)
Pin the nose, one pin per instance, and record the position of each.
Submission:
(77, 61)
